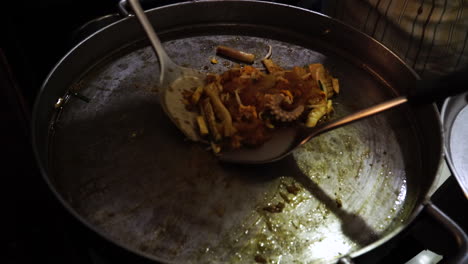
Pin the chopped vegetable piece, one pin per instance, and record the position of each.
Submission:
(235, 54)
(220, 110)
(196, 95)
(315, 114)
(202, 126)
(271, 66)
(209, 115)
(336, 85)
(329, 106)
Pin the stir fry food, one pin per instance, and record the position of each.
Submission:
(244, 105)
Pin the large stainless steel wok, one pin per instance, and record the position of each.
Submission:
(119, 165)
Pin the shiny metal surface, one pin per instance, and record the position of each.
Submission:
(287, 140)
(455, 120)
(120, 166)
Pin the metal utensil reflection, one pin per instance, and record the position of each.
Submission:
(285, 141)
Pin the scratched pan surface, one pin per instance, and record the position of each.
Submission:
(121, 167)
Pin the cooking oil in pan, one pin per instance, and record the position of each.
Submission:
(342, 197)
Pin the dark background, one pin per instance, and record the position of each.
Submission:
(34, 35)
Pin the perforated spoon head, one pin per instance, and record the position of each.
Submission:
(174, 80)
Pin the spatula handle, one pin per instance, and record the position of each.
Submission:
(164, 61)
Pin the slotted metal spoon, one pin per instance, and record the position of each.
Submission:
(174, 79)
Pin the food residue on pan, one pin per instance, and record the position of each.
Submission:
(235, 54)
(244, 105)
(214, 60)
(274, 208)
(260, 259)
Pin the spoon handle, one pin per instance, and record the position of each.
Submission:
(367, 112)
(425, 91)
(164, 61)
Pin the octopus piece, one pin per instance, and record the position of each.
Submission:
(273, 102)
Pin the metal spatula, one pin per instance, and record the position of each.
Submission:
(174, 79)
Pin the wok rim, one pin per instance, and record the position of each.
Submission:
(415, 212)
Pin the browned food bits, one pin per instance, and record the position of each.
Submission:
(276, 208)
(243, 106)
